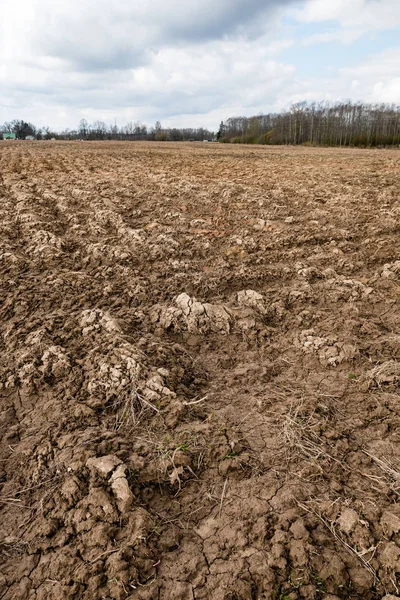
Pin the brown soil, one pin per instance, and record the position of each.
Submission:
(199, 372)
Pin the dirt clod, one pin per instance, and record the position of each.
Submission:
(199, 372)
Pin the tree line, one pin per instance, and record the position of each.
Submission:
(101, 131)
(320, 124)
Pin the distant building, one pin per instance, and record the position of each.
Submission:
(7, 135)
(30, 137)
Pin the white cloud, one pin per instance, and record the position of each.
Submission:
(388, 91)
(329, 10)
(375, 79)
(155, 58)
(354, 18)
(378, 77)
(118, 34)
(341, 36)
(215, 78)
(186, 62)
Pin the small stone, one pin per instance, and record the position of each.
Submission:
(193, 340)
(389, 556)
(207, 528)
(259, 225)
(163, 372)
(104, 465)
(299, 530)
(121, 489)
(348, 520)
(390, 523)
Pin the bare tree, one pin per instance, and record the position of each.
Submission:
(338, 124)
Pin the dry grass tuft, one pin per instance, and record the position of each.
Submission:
(301, 437)
(330, 525)
(131, 409)
(384, 374)
(392, 473)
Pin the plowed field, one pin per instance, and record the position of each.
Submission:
(199, 372)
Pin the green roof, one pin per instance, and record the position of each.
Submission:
(9, 136)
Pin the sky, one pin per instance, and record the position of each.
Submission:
(191, 63)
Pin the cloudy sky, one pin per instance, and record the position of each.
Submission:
(191, 62)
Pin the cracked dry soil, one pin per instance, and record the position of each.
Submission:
(199, 372)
